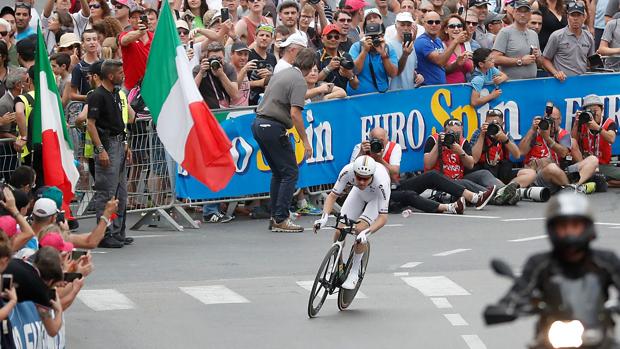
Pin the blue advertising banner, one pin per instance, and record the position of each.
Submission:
(410, 116)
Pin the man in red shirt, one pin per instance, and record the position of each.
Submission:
(135, 46)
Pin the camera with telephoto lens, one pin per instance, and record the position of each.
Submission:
(215, 63)
(545, 123)
(376, 146)
(449, 138)
(493, 129)
(585, 117)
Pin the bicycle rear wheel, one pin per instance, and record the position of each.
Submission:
(323, 282)
(346, 297)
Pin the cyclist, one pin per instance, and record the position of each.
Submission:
(367, 203)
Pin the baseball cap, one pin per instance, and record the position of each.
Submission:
(68, 40)
(7, 9)
(592, 100)
(8, 224)
(135, 8)
(371, 11)
(493, 17)
(404, 17)
(330, 28)
(239, 46)
(266, 28)
(56, 241)
(576, 6)
(295, 38)
(182, 24)
(521, 3)
(476, 3)
(122, 2)
(44, 207)
(354, 5)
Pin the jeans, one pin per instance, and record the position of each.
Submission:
(484, 178)
(409, 190)
(209, 209)
(278, 151)
(112, 181)
(471, 186)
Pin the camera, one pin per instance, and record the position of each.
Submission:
(376, 41)
(261, 64)
(346, 61)
(585, 116)
(374, 31)
(493, 129)
(215, 63)
(545, 123)
(449, 138)
(376, 146)
(60, 217)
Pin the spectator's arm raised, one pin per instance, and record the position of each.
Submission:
(384, 50)
(442, 58)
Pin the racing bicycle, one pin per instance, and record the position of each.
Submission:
(333, 271)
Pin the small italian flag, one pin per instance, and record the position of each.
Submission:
(49, 128)
(185, 125)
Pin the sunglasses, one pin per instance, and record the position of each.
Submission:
(94, 6)
(333, 36)
(119, 6)
(454, 123)
(473, 24)
(360, 178)
(495, 112)
(455, 25)
(22, 5)
(345, 20)
(424, 10)
(183, 32)
(434, 22)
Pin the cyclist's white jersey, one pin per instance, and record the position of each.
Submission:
(377, 191)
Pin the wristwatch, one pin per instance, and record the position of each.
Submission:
(506, 141)
(98, 149)
(519, 62)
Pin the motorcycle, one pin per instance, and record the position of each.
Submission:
(572, 312)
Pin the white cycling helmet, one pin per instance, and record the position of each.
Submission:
(364, 166)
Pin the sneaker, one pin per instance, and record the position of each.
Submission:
(110, 242)
(506, 193)
(309, 210)
(351, 282)
(217, 217)
(516, 198)
(484, 198)
(286, 226)
(590, 187)
(456, 207)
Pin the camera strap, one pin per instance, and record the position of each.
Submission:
(374, 78)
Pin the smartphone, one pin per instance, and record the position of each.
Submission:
(407, 38)
(70, 277)
(191, 44)
(468, 46)
(76, 254)
(224, 14)
(144, 19)
(7, 282)
(532, 50)
(60, 217)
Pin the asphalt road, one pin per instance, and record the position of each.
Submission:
(237, 285)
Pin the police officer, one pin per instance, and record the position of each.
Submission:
(107, 131)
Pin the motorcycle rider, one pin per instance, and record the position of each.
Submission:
(570, 227)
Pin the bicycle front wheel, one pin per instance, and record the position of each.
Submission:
(346, 297)
(323, 282)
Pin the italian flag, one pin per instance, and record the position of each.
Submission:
(49, 128)
(185, 125)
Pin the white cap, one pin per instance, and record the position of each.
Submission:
(295, 38)
(371, 11)
(592, 100)
(44, 207)
(404, 17)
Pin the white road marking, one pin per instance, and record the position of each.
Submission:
(307, 285)
(523, 219)
(401, 273)
(538, 237)
(150, 236)
(100, 252)
(105, 299)
(604, 223)
(456, 319)
(473, 341)
(394, 225)
(387, 225)
(410, 265)
(441, 302)
(435, 286)
(215, 294)
(454, 215)
(447, 253)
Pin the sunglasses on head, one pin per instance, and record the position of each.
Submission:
(22, 5)
(455, 25)
(495, 113)
(119, 6)
(453, 123)
(94, 5)
(434, 22)
(472, 23)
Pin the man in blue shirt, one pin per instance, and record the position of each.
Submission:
(375, 63)
(22, 21)
(430, 51)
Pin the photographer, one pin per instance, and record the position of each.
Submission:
(595, 136)
(450, 154)
(375, 61)
(216, 80)
(135, 47)
(546, 147)
(335, 67)
(381, 150)
(491, 151)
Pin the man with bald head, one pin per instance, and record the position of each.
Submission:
(382, 150)
(432, 57)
